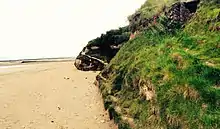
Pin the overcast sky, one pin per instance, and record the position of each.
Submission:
(56, 28)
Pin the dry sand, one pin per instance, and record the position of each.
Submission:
(50, 96)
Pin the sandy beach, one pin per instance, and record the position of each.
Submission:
(50, 96)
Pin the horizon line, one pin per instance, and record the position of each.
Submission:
(38, 58)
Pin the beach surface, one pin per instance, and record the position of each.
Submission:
(52, 95)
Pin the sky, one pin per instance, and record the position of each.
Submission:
(57, 28)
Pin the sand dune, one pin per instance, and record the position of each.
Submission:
(50, 96)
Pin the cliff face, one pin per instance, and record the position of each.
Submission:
(101, 50)
(168, 74)
(176, 13)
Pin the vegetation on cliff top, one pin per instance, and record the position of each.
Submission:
(102, 49)
(106, 41)
(167, 80)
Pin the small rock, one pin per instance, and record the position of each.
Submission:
(52, 121)
(59, 108)
(67, 78)
(102, 121)
(5, 105)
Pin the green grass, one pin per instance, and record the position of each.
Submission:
(181, 69)
(152, 7)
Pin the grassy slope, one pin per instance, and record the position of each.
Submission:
(181, 70)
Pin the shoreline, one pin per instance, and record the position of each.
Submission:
(34, 61)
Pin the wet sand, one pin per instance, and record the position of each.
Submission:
(50, 96)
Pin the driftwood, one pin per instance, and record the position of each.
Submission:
(94, 58)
